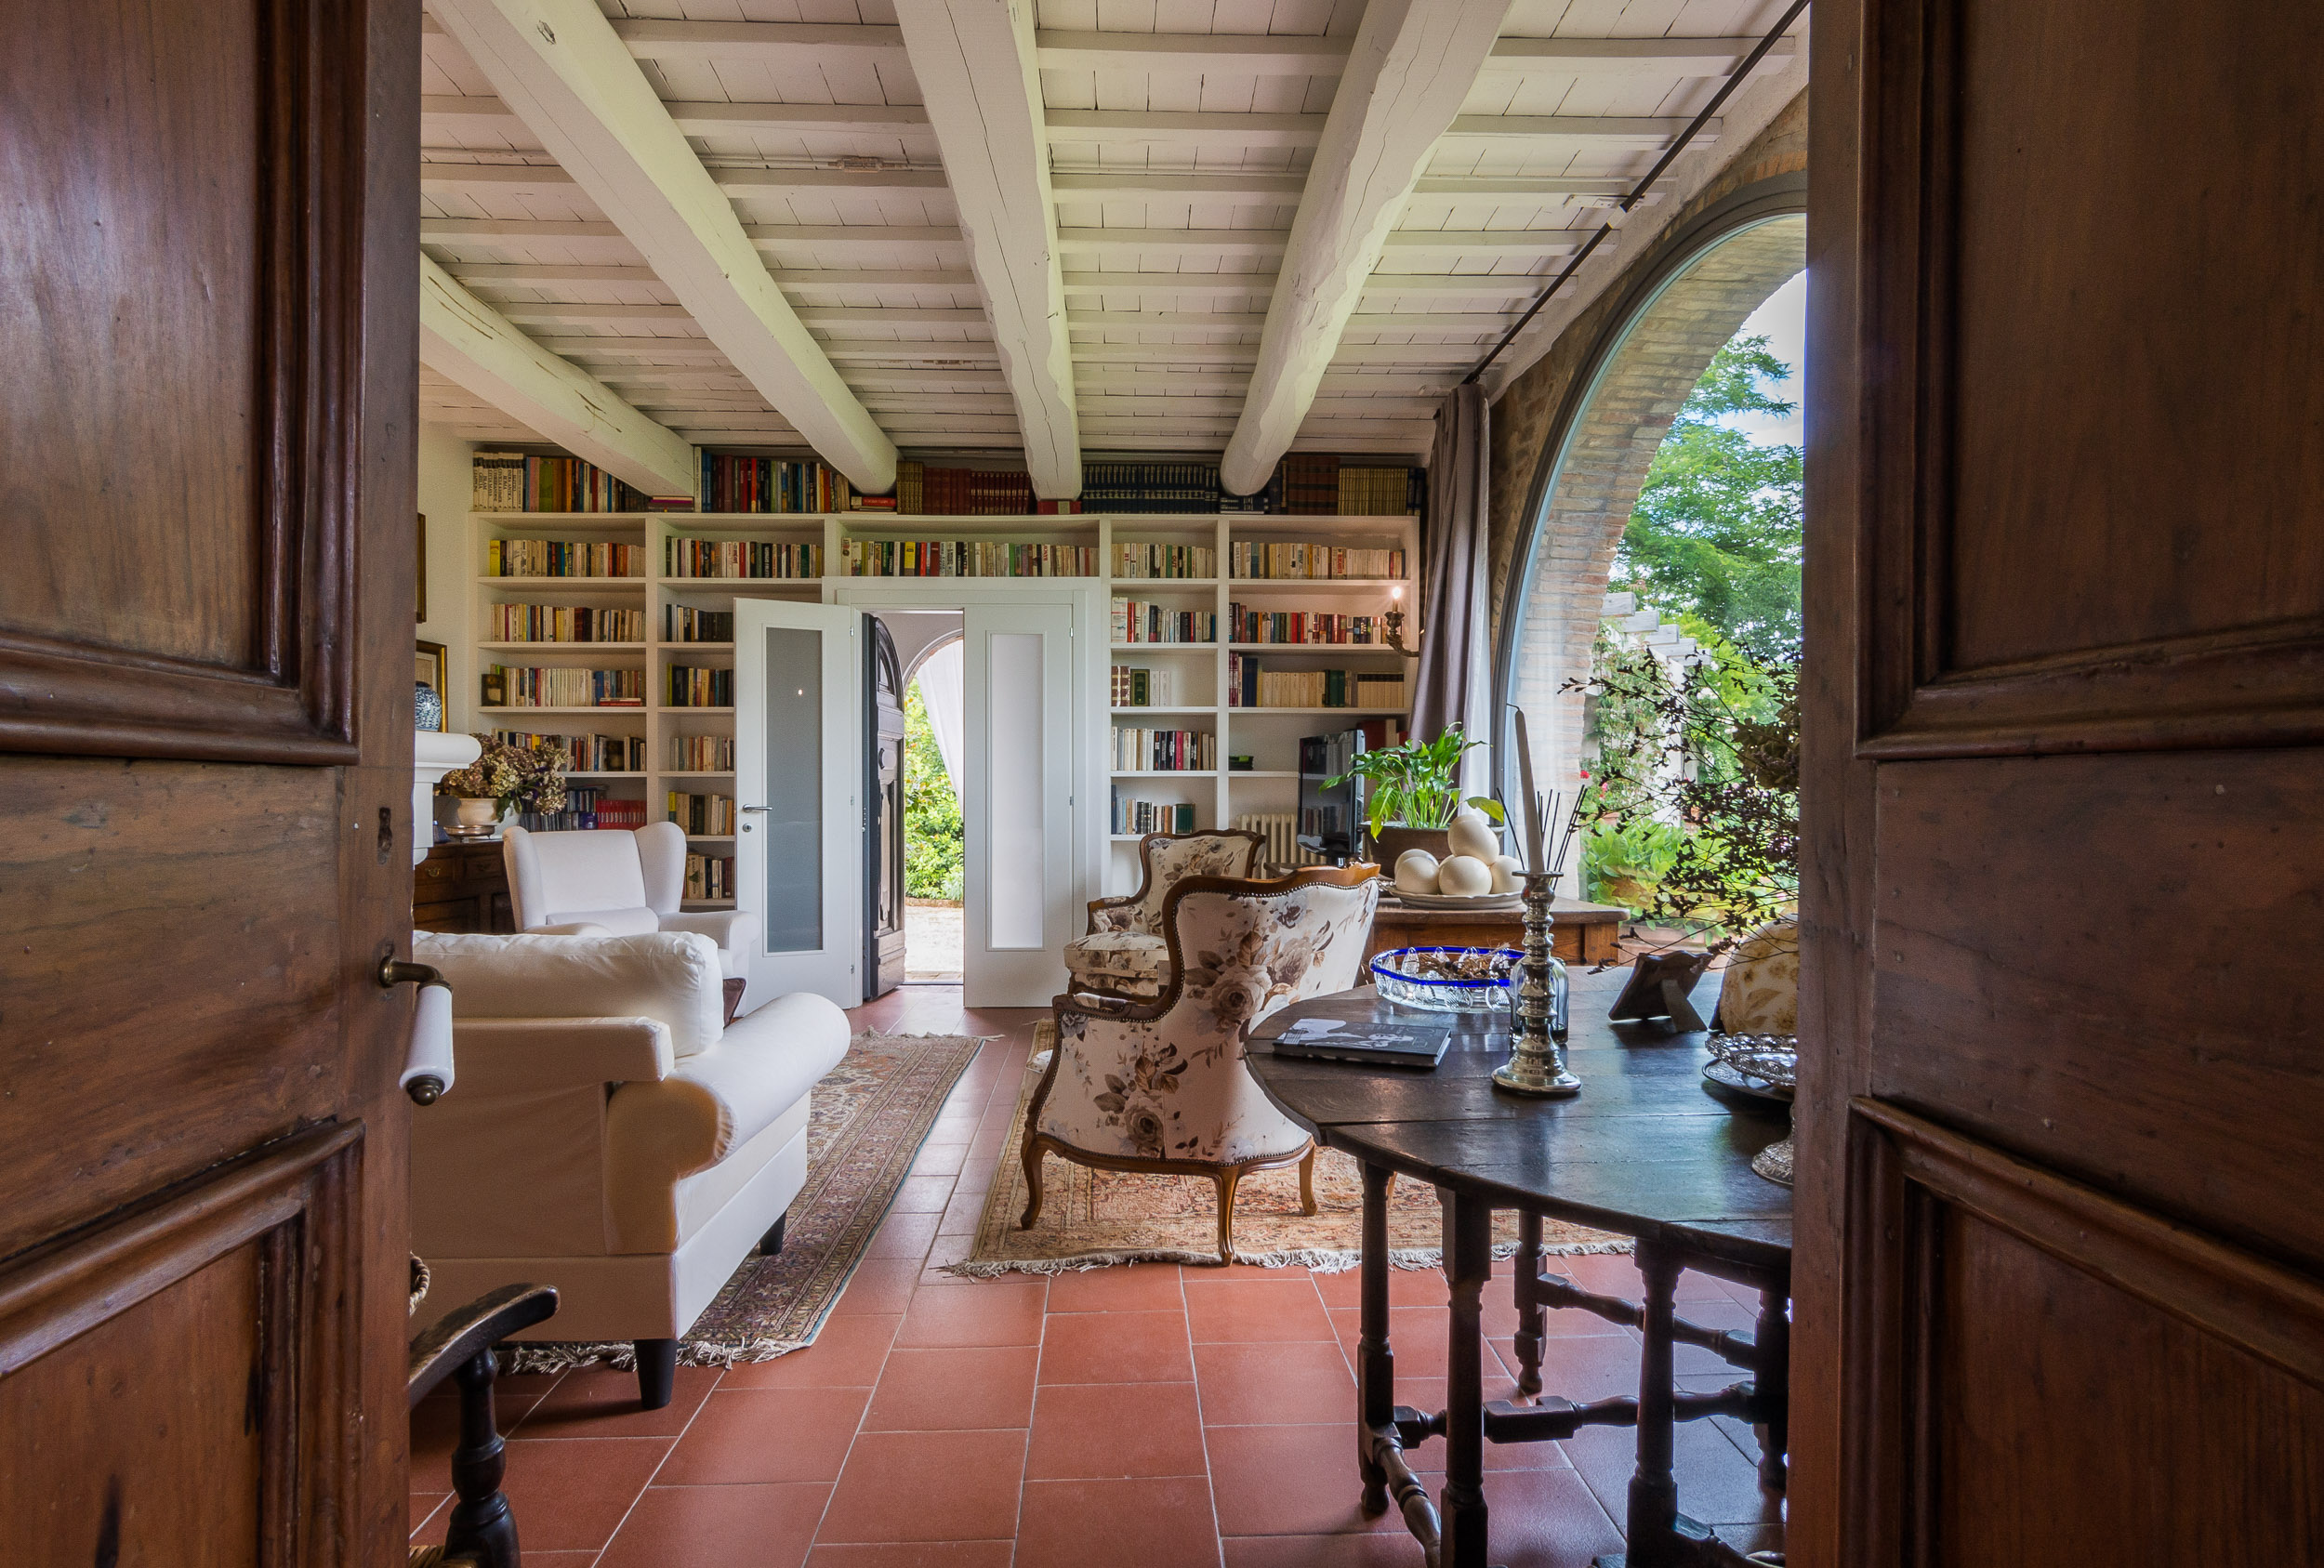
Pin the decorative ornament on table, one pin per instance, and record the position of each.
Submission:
(427, 707)
(1537, 1067)
(505, 778)
(1754, 1041)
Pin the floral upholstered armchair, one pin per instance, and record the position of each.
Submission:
(1124, 953)
(1160, 1086)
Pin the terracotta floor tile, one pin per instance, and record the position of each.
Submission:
(1543, 1519)
(878, 1284)
(995, 1313)
(1141, 1524)
(1244, 1310)
(558, 1559)
(1116, 1347)
(1274, 1385)
(1613, 1273)
(923, 1194)
(847, 1355)
(600, 1402)
(570, 1493)
(1579, 1369)
(422, 1508)
(954, 1391)
(940, 1159)
(1417, 1337)
(927, 1486)
(1380, 1551)
(1717, 1484)
(1114, 1430)
(746, 1435)
(1406, 1287)
(688, 1527)
(1288, 1480)
(915, 1554)
(905, 1236)
(1128, 1287)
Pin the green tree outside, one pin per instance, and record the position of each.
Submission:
(934, 839)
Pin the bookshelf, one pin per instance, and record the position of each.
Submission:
(1197, 670)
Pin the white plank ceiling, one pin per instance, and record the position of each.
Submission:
(1179, 134)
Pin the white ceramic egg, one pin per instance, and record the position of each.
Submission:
(1472, 834)
(1416, 872)
(1464, 876)
(1508, 874)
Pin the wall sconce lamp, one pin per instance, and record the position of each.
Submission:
(1395, 622)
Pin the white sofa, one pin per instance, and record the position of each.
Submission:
(623, 884)
(609, 1137)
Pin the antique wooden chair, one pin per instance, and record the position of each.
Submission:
(483, 1533)
(1159, 1084)
(1124, 953)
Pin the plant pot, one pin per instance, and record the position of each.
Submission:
(474, 819)
(1394, 838)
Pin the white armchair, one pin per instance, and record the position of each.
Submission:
(623, 883)
(611, 1137)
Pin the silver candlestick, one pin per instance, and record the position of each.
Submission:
(1536, 1057)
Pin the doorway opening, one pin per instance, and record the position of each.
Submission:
(935, 835)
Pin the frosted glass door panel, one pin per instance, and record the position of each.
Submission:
(1017, 886)
(793, 821)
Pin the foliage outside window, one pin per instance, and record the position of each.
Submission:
(934, 839)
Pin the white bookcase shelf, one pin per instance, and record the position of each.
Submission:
(1217, 794)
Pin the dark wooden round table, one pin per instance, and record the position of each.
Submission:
(1646, 1150)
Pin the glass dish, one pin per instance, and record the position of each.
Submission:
(1429, 978)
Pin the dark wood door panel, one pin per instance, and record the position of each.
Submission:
(174, 1386)
(168, 991)
(2096, 960)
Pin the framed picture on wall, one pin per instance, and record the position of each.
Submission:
(429, 673)
(422, 580)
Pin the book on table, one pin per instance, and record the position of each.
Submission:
(1370, 1044)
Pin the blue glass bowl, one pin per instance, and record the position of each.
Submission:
(1391, 979)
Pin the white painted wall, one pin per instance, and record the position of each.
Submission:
(444, 490)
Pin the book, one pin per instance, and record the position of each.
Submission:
(1366, 1043)
(517, 482)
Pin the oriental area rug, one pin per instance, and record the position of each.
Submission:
(1091, 1218)
(868, 1119)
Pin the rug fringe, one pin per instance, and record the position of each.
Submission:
(619, 1354)
(1318, 1261)
(881, 1034)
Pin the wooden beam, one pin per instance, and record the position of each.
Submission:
(976, 65)
(1149, 128)
(755, 43)
(468, 342)
(485, 231)
(1211, 186)
(1412, 64)
(442, 179)
(1632, 57)
(560, 66)
(714, 117)
(1236, 54)
(1647, 133)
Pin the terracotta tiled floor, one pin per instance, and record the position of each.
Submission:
(1147, 1417)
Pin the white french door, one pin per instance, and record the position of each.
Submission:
(799, 772)
(1022, 744)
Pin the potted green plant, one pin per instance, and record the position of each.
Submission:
(1412, 792)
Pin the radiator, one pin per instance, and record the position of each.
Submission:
(1281, 829)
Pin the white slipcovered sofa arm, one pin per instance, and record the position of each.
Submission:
(514, 1055)
(733, 929)
(670, 976)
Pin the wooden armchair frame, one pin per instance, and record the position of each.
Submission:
(1146, 867)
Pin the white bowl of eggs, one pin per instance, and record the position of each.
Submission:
(1475, 876)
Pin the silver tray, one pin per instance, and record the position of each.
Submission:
(1728, 1077)
(1449, 901)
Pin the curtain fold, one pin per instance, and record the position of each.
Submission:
(1452, 681)
(941, 676)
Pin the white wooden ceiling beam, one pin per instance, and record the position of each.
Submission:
(442, 179)
(1204, 185)
(484, 231)
(468, 343)
(812, 315)
(1645, 132)
(1151, 127)
(574, 84)
(714, 117)
(974, 63)
(1632, 57)
(1281, 54)
(755, 43)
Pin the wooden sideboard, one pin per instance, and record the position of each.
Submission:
(1580, 933)
(462, 888)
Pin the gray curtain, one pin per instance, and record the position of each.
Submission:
(1452, 681)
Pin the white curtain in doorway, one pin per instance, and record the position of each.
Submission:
(940, 692)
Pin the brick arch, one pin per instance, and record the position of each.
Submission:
(1598, 464)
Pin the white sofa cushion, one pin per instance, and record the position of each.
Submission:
(670, 976)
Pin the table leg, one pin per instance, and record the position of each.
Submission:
(1375, 1364)
(1468, 1264)
(1531, 1316)
(1654, 1493)
(1772, 1379)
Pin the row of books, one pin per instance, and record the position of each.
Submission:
(694, 685)
(1164, 561)
(562, 557)
(513, 481)
(1316, 483)
(680, 624)
(964, 558)
(620, 815)
(740, 558)
(563, 623)
(703, 813)
(590, 754)
(1248, 685)
(556, 686)
(709, 876)
(1139, 621)
(701, 754)
(1170, 751)
(1246, 625)
(580, 814)
(1311, 561)
(967, 493)
(1165, 485)
(1152, 816)
(1135, 686)
(733, 484)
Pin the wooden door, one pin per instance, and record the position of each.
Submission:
(884, 826)
(2061, 1208)
(207, 288)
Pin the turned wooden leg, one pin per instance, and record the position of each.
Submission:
(657, 1372)
(1228, 1179)
(1468, 1264)
(1654, 1494)
(1307, 1180)
(1032, 1185)
(1531, 1318)
(1375, 1364)
(481, 1526)
(1772, 1377)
